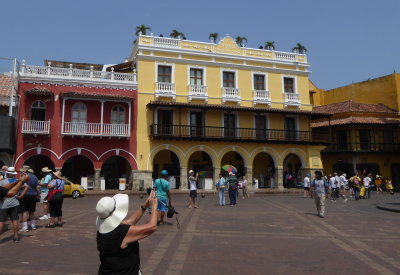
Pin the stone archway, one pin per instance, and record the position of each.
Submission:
(167, 160)
(77, 167)
(113, 169)
(37, 162)
(200, 161)
(264, 170)
(235, 159)
(292, 170)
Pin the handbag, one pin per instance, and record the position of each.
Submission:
(55, 194)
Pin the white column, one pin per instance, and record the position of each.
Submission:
(101, 116)
(129, 118)
(62, 117)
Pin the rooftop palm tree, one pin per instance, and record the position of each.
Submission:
(143, 29)
(299, 49)
(270, 45)
(213, 37)
(176, 34)
(240, 40)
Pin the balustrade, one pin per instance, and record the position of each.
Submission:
(198, 90)
(292, 98)
(262, 96)
(95, 129)
(35, 127)
(72, 73)
(212, 133)
(165, 88)
(166, 42)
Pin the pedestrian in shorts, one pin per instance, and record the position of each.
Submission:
(28, 199)
(193, 189)
(47, 177)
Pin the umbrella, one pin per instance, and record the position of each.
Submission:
(205, 174)
(229, 168)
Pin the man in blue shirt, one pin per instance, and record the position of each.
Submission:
(28, 199)
(319, 187)
(162, 187)
(43, 192)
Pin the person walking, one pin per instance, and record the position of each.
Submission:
(221, 187)
(55, 204)
(244, 188)
(193, 189)
(233, 186)
(356, 185)
(28, 199)
(117, 237)
(306, 186)
(333, 186)
(47, 177)
(378, 183)
(9, 206)
(367, 184)
(319, 187)
(163, 193)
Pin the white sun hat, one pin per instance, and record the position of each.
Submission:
(11, 170)
(111, 211)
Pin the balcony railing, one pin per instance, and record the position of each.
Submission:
(95, 129)
(230, 94)
(35, 127)
(198, 92)
(364, 147)
(77, 74)
(260, 96)
(165, 89)
(292, 99)
(211, 133)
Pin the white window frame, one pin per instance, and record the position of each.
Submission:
(124, 112)
(265, 79)
(295, 83)
(172, 65)
(197, 68)
(231, 71)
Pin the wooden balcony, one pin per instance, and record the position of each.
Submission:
(363, 148)
(95, 129)
(210, 133)
(35, 127)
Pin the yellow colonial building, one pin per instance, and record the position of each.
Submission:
(204, 105)
(364, 127)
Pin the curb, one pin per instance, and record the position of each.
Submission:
(387, 207)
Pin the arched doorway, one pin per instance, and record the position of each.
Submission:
(292, 171)
(235, 159)
(37, 162)
(77, 167)
(167, 160)
(264, 170)
(113, 169)
(201, 162)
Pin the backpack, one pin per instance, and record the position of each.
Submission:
(232, 184)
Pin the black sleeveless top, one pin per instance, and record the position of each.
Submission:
(114, 259)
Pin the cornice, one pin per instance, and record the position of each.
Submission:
(76, 83)
(220, 64)
(219, 55)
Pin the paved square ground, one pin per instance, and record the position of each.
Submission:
(266, 234)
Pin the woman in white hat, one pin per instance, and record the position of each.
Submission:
(117, 239)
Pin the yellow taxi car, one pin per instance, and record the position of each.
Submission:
(72, 189)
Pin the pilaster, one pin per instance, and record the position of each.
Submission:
(141, 175)
(184, 176)
(279, 178)
(249, 177)
(96, 179)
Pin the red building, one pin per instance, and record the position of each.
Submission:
(79, 119)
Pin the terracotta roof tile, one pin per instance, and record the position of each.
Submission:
(38, 91)
(352, 106)
(5, 88)
(95, 95)
(356, 120)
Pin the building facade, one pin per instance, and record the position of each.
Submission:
(364, 127)
(205, 105)
(78, 120)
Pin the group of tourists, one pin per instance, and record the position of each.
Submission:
(336, 186)
(231, 183)
(19, 202)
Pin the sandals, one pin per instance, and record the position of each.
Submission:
(50, 225)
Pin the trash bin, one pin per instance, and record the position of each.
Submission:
(122, 184)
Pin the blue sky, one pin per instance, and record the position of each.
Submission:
(347, 40)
